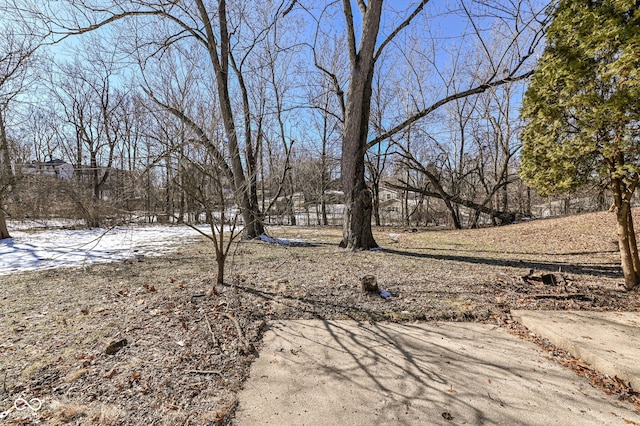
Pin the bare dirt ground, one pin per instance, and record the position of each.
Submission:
(187, 354)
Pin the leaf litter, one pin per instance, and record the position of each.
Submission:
(181, 352)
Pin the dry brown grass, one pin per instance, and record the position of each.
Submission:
(185, 361)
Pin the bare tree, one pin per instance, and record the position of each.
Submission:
(366, 45)
(245, 66)
(327, 126)
(325, 98)
(378, 157)
(469, 160)
(95, 112)
(16, 62)
(214, 28)
(497, 137)
(207, 184)
(357, 232)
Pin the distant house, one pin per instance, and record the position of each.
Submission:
(59, 168)
(388, 194)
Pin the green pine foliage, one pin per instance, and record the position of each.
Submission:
(582, 108)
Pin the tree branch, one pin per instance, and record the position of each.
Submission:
(400, 27)
(351, 34)
(363, 7)
(127, 14)
(423, 113)
(506, 217)
(215, 152)
(289, 9)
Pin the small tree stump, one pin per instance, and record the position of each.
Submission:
(369, 284)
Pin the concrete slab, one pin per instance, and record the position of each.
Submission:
(609, 341)
(349, 373)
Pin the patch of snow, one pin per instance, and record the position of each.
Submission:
(268, 239)
(47, 249)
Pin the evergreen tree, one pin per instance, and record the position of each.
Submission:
(582, 109)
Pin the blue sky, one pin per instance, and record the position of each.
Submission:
(444, 29)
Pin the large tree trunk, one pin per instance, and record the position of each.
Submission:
(357, 234)
(628, 251)
(4, 232)
(251, 216)
(626, 237)
(633, 245)
(356, 230)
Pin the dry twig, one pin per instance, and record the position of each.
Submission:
(248, 346)
(213, 336)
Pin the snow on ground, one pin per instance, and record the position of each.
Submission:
(45, 249)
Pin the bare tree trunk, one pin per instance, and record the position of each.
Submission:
(627, 251)
(633, 245)
(6, 175)
(291, 206)
(5, 161)
(323, 207)
(220, 261)
(376, 201)
(4, 231)
(356, 232)
(406, 216)
(626, 237)
(324, 175)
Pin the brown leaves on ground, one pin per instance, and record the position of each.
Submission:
(610, 385)
(189, 349)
